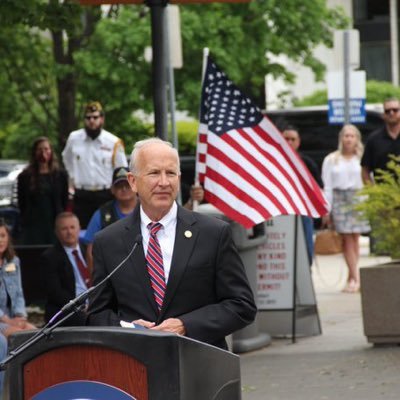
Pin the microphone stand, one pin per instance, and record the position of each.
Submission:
(73, 306)
(45, 331)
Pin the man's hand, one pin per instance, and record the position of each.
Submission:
(142, 322)
(173, 325)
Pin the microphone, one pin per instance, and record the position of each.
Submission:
(79, 300)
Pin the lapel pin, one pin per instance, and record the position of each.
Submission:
(188, 234)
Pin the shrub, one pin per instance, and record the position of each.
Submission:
(382, 208)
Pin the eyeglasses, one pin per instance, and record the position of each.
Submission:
(389, 110)
(89, 117)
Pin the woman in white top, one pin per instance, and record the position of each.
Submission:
(341, 174)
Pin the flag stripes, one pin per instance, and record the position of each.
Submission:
(248, 170)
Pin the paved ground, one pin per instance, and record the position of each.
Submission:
(337, 365)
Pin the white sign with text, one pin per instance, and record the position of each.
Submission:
(275, 265)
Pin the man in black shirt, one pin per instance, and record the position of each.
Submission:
(382, 142)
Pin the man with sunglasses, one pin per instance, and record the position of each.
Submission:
(90, 156)
(383, 142)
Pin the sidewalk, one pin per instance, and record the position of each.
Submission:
(339, 364)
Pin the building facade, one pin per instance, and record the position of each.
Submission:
(372, 19)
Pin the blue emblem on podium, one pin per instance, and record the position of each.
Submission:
(82, 390)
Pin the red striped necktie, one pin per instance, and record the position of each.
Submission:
(155, 266)
(83, 269)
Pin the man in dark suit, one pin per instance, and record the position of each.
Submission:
(199, 288)
(64, 269)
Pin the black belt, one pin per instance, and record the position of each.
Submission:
(93, 188)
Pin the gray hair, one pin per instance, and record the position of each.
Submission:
(146, 142)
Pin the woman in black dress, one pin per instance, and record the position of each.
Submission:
(42, 194)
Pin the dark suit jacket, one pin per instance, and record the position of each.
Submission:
(207, 287)
(59, 283)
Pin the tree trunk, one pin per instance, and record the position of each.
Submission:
(67, 120)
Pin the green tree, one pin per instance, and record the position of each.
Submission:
(245, 39)
(67, 54)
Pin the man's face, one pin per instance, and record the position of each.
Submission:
(156, 180)
(391, 112)
(293, 138)
(67, 231)
(94, 120)
(122, 191)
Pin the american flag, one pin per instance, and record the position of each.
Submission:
(247, 169)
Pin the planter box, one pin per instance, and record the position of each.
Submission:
(380, 299)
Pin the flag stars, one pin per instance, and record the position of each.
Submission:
(225, 106)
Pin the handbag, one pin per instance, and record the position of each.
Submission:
(327, 241)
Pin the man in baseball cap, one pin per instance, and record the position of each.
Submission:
(122, 205)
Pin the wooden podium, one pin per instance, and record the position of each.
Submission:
(140, 364)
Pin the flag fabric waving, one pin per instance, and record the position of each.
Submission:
(247, 169)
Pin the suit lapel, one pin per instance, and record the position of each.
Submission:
(185, 239)
(137, 261)
(68, 269)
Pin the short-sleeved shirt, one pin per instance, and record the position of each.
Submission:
(90, 162)
(95, 223)
(377, 149)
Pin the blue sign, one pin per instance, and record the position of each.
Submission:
(82, 390)
(336, 111)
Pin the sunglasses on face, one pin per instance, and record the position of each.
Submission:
(389, 110)
(89, 117)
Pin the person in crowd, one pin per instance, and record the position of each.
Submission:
(90, 156)
(382, 142)
(341, 174)
(66, 274)
(13, 316)
(185, 276)
(42, 189)
(122, 205)
(196, 194)
(292, 136)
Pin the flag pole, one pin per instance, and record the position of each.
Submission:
(294, 308)
(206, 52)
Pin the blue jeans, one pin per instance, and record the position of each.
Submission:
(3, 354)
(308, 226)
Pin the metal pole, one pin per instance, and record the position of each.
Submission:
(159, 70)
(294, 308)
(394, 41)
(171, 92)
(171, 87)
(346, 74)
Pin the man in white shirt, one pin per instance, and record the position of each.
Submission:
(90, 156)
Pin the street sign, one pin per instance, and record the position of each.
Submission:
(336, 111)
(100, 2)
(338, 48)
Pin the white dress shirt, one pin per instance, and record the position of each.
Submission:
(340, 173)
(90, 163)
(166, 235)
(80, 284)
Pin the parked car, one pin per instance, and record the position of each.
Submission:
(9, 170)
(318, 137)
